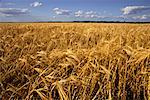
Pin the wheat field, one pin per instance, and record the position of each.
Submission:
(74, 61)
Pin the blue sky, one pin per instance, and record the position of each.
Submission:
(74, 10)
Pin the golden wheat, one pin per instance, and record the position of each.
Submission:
(74, 61)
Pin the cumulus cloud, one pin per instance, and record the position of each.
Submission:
(79, 13)
(13, 11)
(60, 11)
(134, 9)
(91, 14)
(141, 17)
(88, 14)
(136, 13)
(36, 4)
(134, 17)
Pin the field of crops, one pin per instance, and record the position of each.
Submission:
(74, 61)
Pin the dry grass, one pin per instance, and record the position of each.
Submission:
(71, 61)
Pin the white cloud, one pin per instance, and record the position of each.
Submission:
(36, 4)
(141, 17)
(88, 14)
(91, 14)
(129, 13)
(55, 9)
(60, 11)
(136, 13)
(13, 11)
(134, 17)
(134, 9)
(79, 13)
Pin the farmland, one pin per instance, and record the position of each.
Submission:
(74, 61)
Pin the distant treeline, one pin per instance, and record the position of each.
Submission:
(91, 22)
(107, 22)
(79, 22)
